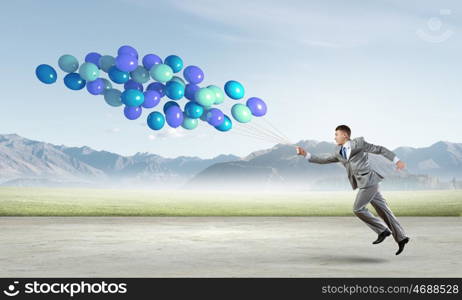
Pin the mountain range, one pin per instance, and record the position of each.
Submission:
(25, 162)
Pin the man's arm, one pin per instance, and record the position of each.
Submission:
(381, 150)
(317, 159)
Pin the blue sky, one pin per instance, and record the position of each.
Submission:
(389, 69)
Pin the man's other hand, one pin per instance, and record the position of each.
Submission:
(400, 165)
(301, 151)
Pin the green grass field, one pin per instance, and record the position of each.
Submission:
(107, 202)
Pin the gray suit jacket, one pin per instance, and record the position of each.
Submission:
(357, 165)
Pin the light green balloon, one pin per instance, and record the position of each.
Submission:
(241, 113)
(89, 71)
(161, 72)
(68, 63)
(219, 95)
(107, 84)
(106, 62)
(204, 96)
(189, 123)
(113, 97)
(179, 80)
(140, 75)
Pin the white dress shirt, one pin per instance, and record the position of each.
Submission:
(348, 151)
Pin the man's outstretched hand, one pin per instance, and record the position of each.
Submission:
(300, 151)
(400, 165)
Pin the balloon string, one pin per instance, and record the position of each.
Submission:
(265, 131)
(253, 129)
(283, 138)
(258, 132)
(253, 137)
(274, 127)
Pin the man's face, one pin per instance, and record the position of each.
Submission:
(340, 137)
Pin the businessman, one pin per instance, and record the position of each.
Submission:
(353, 154)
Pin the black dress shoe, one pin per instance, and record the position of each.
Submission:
(382, 236)
(401, 245)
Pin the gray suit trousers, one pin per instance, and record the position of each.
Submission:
(388, 220)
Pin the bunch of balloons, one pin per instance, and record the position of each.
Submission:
(128, 70)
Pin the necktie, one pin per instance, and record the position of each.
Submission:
(343, 151)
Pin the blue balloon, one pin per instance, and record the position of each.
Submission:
(149, 60)
(174, 116)
(193, 110)
(234, 90)
(226, 125)
(74, 82)
(127, 50)
(93, 57)
(132, 97)
(132, 84)
(215, 117)
(175, 62)
(157, 86)
(151, 99)
(46, 74)
(118, 76)
(132, 112)
(156, 120)
(168, 104)
(190, 91)
(174, 90)
(96, 87)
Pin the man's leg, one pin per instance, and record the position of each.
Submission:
(380, 205)
(364, 196)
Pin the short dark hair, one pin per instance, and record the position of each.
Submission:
(344, 128)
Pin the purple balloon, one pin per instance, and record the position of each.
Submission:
(128, 50)
(150, 60)
(174, 116)
(215, 117)
(193, 74)
(93, 57)
(151, 99)
(126, 62)
(133, 85)
(257, 106)
(96, 86)
(132, 112)
(190, 91)
(157, 86)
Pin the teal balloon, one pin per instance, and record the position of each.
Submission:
(107, 84)
(226, 125)
(156, 120)
(46, 74)
(234, 89)
(241, 113)
(175, 62)
(204, 96)
(189, 123)
(140, 75)
(219, 95)
(179, 80)
(89, 71)
(132, 97)
(106, 62)
(118, 76)
(113, 97)
(174, 90)
(193, 110)
(68, 63)
(161, 72)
